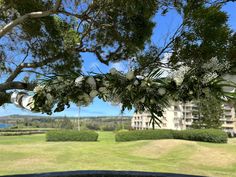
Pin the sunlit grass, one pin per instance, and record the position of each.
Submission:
(32, 154)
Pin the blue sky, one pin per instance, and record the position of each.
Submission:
(165, 25)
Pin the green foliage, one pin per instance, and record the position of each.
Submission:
(71, 135)
(106, 124)
(51, 48)
(206, 135)
(205, 45)
(92, 126)
(143, 135)
(111, 123)
(18, 132)
(129, 19)
(65, 123)
(209, 112)
(205, 28)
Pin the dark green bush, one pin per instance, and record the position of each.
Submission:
(71, 135)
(143, 135)
(205, 135)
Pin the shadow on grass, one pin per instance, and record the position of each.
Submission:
(98, 173)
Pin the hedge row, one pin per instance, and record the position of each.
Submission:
(143, 135)
(205, 135)
(20, 133)
(71, 135)
(20, 130)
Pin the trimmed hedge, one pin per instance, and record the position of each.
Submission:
(205, 135)
(12, 132)
(21, 133)
(143, 135)
(71, 135)
(22, 130)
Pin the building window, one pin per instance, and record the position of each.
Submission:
(176, 108)
(229, 122)
(188, 120)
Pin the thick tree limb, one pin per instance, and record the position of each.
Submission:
(8, 27)
(17, 85)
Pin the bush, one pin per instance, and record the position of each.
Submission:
(10, 132)
(143, 135)
(205, 135)
(108, 127)
(71, 135)
(21, 130)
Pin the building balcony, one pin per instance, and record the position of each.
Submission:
(228, 117)
(187, 110)
(227, 108)
(227, 114)
(228, 125)
(188, 123)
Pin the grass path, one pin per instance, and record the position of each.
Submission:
(31, 154)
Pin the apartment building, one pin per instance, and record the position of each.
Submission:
(228, 119)
(179, 116)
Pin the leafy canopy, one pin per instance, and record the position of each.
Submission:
(41, 43)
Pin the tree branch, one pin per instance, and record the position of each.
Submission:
(171, 41)
(98, 55)
(17, 85)
(8, 27)
(82, 16)
(19, 68)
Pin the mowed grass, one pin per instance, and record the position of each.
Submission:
(32, 154)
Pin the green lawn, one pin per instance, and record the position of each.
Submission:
(31, 154)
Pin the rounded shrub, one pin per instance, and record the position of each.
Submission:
(71, 135)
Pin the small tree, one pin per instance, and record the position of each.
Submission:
(209, 113)
(66, 123)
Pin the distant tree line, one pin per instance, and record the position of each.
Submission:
(103, 124)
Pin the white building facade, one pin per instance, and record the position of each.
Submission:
(179, 116)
